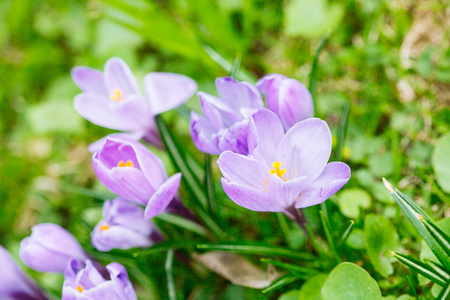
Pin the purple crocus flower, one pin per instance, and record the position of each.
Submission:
(133, 172)
(286, 97)
(226, 119)
(285, 171)
(124, 227)
(14, 284)
(84, 281)
(49, 248)
(112, 99)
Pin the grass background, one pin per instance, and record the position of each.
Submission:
(387, 62)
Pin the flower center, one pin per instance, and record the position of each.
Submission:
(79, 288)
(103, 228)
(276, 170)
(121, 164)
(115, 95)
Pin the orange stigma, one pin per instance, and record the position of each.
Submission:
(103, 228)
(79, 288)
(115, 95)
(129, 163)
(276, 165)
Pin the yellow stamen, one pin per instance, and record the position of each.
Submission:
(129, 163)
(115, 95)
(104, 227)
(79, 288)
(276, 165)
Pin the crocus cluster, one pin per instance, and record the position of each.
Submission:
(226, 121)
(272, 159)
(112, 98)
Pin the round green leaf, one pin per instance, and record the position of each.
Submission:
(350, 282)
(441, 161)
(351, 200)
(381, 237)
(311, 289)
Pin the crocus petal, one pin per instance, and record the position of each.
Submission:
(97, 145)
(124, 213)
(166, 91)
(122, 284)
(249, 197)
(117, 237)
(243, 170)
(119, 76)
(95, 108)
(201, 133)
(238, 94)
(264, 134)
(217, 112)
(295, 103)
(332, 179)
(49, 248)
(89, 80)
(89, 277)
(233, 138)
(133, 110)
(14, 284)
(162, 197)
(131, 184)
(268, 81)
(305, 149)
(285, 192)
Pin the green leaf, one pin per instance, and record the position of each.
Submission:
(289, 267)
(380, 238)
(420, 267)
(256, 248)
(415, 214)
(291, 295)
(439, 235)
(198, 199)
(170, 282)
(166, 245)
(280, 282)
(311, 288)
(445, 294)
(183, 223)
(315, 64)
(311, 19)
(350, 282)
(329, 237)
(440, 160)
(356, 239)
(351, 200)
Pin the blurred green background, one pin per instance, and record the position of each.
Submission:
(387, 61)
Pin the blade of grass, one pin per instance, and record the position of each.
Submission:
(290, 267)
(438, 234)
(420, 268)
(412, 285)
(209, 185)
(413, 211)
(169, 275)
(326, 227)
(346, 233)
(235, 69)
(316, 245)
(164, 246)
(199, 200)
(284, 226)
(315, 63)
(445, 293)
(183, 223)
(280, 282)
(342, 131)
(256, 248)
(438, 269)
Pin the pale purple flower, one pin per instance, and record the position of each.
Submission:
(49, 248)
(225, 124)
(286, 97)
(284, 171)
(14, 284)
(84, 282)
(124, 227)
(133, 172)
(112, 99)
